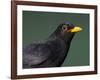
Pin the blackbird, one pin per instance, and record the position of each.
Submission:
(53, 51)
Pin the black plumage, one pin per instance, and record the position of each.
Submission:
(53, 51)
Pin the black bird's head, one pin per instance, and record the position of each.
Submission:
(67, 30)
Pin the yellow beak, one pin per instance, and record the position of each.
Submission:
(75, 29)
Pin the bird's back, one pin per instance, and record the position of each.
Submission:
(49, 54)
(35, 54)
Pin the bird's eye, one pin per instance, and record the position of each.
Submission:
(64, 27)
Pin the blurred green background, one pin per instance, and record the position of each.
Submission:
(38, 26)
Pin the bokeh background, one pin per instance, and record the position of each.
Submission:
(38, 26)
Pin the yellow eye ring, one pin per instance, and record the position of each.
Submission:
(64, 27)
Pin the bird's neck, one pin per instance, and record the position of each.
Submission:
(67, 39)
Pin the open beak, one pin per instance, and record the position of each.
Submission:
(76, 29)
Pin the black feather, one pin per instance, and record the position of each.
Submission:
(50, 53)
